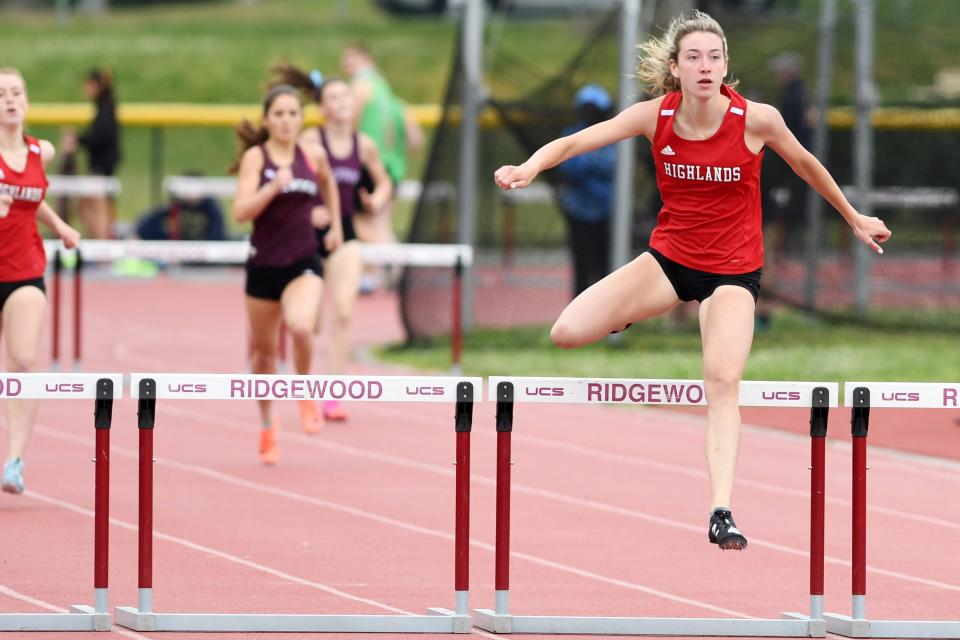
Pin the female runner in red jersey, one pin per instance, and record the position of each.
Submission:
(707, 143)
(278, 181)
(23, 185)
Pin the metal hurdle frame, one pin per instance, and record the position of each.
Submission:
(148, 388)
(860, 397)
(102, 388)
(818, 397)
(66, 186)
(454, 256)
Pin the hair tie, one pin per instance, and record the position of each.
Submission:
(316, 78)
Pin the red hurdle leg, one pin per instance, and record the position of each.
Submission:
(464, 424)
(818, 436)
(77, 311)
(55, 316)
(504, 432)
(146, 412)
(102, 418)
(859, 426)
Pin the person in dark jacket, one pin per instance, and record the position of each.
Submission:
(183, 219)
(586, 195)
(101, 141)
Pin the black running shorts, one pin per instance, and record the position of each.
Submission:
(691, 284)
(268, 283)
(7, 288)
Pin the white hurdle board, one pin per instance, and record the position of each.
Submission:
(59, 386)
(237, 251)
(63, 386)
(658, 392)
(891, 395)
(907, 395)
(226, 386)
(247, 387)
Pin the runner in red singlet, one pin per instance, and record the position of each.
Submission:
(707, 142)
(23, 185)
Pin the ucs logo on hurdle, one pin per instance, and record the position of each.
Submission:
(423, 391)
(13, 387)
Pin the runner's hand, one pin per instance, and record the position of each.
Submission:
(283, 177)
(333, 238)
(69, 236)
(511, 177)
(871, 231)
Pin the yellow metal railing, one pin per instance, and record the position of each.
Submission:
(227, 115)
(177, 114)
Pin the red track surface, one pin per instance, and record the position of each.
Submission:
(609, 505)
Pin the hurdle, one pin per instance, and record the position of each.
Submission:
(102, 388)
(860, 397)
(818, 397)
(66, 186)
(456, 257)
(82, 187)
(148, 388)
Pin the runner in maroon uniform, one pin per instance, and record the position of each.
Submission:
(278, 182)
(349, 152)
(707, 142)
(23, 185)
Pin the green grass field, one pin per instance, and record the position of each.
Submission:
(793, 348)
(220, 52)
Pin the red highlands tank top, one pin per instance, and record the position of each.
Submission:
(710, 188)
(21, 248)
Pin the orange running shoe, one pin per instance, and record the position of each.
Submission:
(268, 442)
(334, 411)
(310, 420)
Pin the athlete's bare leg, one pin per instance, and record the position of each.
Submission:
(22, 319)
(264, 318)
(634, 292)
(343, 269)
(726, 328)
(300, 303)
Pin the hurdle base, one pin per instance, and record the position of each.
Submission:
(842, 625)
(462, 622)
(80, 618)
(818, 626)
(436, 621)
(489, 620)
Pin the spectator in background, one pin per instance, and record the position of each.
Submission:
(101, 140)
(784, 192)
(384, 118)
(586, 194)
(185, 218)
